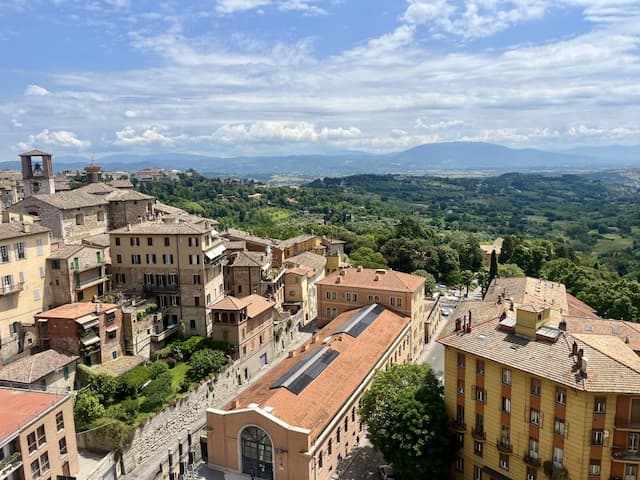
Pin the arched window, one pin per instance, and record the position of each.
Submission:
(257, 453)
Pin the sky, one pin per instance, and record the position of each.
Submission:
(272, 77)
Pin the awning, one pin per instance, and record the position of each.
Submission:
(90, 340)
(43, 320)
(87, 319)
(215, 252)
(493, 474)
(112, 329)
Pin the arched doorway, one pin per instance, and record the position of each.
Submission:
(256, 450)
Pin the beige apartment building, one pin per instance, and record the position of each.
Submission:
(24, 248)
(247, 273)
(350, 288)
(49, 370)
(302, 274)
(178, 262)
(37, 435)
(300, 419)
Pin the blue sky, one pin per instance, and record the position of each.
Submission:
(252, 77)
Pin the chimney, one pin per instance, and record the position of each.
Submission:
(339, 280)
(128, 227)
(235, 404)
(359, 269)
(458, 324)
(511, 305)
(98, 307)
(579, 361)
(503, 315)
(304, 348)
(468, 328)
(343, 273)
(574, 348)
(563, 325)
(292, 354)
(26, 228)
(376, 278)
(583, 366)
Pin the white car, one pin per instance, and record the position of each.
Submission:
(386, 472)
(445, 312)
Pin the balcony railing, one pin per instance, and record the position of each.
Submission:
(11, 288)
(170, 288)
(10, 465)
(88, 281)
(459, 425)
(531, 459)
(618, 452)
(161, 333)
(504, 446)
(627, 425)
(478, 433)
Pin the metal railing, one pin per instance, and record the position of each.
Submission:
(11, 288)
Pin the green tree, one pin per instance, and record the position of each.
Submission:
(205, 362)
(510, 270)
(429, 281)
(104, 387)
(508, 244)
(366, 257)
(407, 421)
(466, 278)
(87, 408)
(157, 392)
(493, 266)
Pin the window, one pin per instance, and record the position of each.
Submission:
(558, 455)
(79, 219)
(150, 241)
(480, 394)
(559, 427)
(44, 462)
(193, 241)
(531, 474)
(460, 415)
(633, 441)
(118, 258)
(534, 417)
(197, 280)
(114, 355)
(194, 259)
(506, 405)
(504, 461)
(346, 424)
(477, 473)
(21, 253)
(167, 241)
(62, 444)
(31, 441)
(599, 405)
(533, 448)
(117, 241)
(330, 447)
(42, 272)
(597, 437)
(353, 414)
(331, 295)
(506, 376)
(459, 464)
(42, 438)
(461, 386)
(374, 298)
(111, 334)
(477, 448)
(561, 396)
(535, 387)
(65, 371)
(55, 264)
(196, 301)
(39, 247)
(100, 216)
(136, 259)
(135, 241)
(505, 436)
(4, 253)
(192, 324)
(59, 421)
(594, 468)
(352, 297)
(399, 302)
(167, 259)
(319, 455)
(151, 258)
(460, 439)
(35, 468)
(631, 472)
(331, 312)
(480, 367)
(338, 435)
(460, 360)
(120, 278)
(36, 294)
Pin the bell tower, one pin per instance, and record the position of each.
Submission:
(37, 175)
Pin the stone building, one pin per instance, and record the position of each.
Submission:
(302, 274)
(77, 273)
(177, 262)
(93, 331)
(24, 248)
(37, 176)
(247, 273)
(49, 370)
(300, 419)
(38, 436)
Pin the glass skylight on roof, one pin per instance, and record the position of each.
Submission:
(361, 320)
(306, 370)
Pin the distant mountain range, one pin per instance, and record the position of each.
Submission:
(451, 157)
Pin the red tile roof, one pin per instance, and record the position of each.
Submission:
(389, 280)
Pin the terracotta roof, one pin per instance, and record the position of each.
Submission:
(121, 183)
(96, 188)
(125, 195)
(15, 230)
(248, 259)
(389, 280)
(75, 310)
(98, 240)
(316, 406)
(606, 372)
(290, 242)
(309, 259)
(235, 234)
(63, 253)
(524, 290)
(627, 332)
(162, 228)
(302, 270)
(577, 308)
(164, 208)
(19, 408)
(68, 200)
(34, 153)
(255, 304)
(32, 368)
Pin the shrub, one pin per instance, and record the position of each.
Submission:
(104, 387)
(158, 367)
(206, 362)
(137, 376)
(125, 390)
(224, 347)
(157, 392)
(87, 408)
(84, 374)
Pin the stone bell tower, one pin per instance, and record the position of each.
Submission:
(37, 175)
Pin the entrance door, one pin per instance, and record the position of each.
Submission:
(257, 453)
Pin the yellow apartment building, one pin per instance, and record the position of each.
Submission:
(37, 435)
(530, 392)
(24, 248)
(300, 419)
(178, 263)
(351, 288)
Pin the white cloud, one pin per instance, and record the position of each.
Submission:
(36, 91)
(130, 113)
(15, 123)
(59, 138)
(234, 6)
(280, 131)
(422, 122)
(130, 136)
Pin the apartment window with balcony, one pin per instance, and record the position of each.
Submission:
(136, 259)
(35, 468)
(477, 472)
(597, 437)
(506, 405)
(561, 396)
(31, 442)
(533, 448)
(460, 415)
(460, 439)
(59, 421)
(505, 436)
(459, 464)
(534, 417)
(479, 367)
(4, 253)
(148, 278)
(21, 252)
(600, 406)
(460, 360)
(506, 376)
(536, 387)
(120, 278)
(559, 427)
(631, 472)
(172, 279)
(134, 241)
(558, 457)
(197, 280)
(594, 468)
(44, 463)
(633, 442)
(150, 241)
(480, 395)
(477, 448)
(461, 386)
(504, 461)
(62, 444)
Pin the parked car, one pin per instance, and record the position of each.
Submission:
(386, 472)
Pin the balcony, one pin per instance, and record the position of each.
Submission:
(11, 288)
(10, 465)
(76, 266)
(504, 446)
(532, 459)
(82, 283)
(152, 288)
(459, 425)
(89, 343)
(628, 426)
(479, 434)
(624, 454)
(161, 333)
